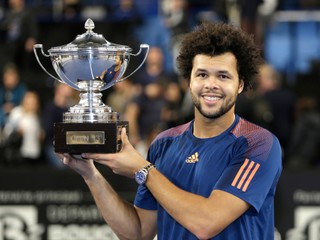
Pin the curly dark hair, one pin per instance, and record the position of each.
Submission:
(217, 38)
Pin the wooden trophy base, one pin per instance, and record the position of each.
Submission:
(77, 138)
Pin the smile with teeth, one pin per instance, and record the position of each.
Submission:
(211, 98)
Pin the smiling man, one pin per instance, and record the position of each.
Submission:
(216, 81)
(212, 178)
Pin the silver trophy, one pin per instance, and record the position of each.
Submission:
(89, 64)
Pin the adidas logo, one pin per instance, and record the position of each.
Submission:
(193, 158)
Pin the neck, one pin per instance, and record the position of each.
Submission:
(207, 128)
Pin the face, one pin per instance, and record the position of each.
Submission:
(31, 102)
(215, 85)
(155, 56)
(10, 79)
(118, 60)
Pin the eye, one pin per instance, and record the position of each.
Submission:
(202, 75)
(224, 76)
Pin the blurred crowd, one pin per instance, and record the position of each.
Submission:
(152, 99)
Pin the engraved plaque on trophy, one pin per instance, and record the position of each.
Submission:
(89, 64)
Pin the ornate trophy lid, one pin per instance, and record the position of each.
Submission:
(90, 42)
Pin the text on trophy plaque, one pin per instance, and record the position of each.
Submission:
(85, 137)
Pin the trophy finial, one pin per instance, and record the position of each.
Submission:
(89, 25)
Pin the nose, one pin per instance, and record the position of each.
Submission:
(211, 83)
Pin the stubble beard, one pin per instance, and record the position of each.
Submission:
(226, 107)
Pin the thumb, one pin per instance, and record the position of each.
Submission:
(124, 137)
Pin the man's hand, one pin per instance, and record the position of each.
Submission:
(125, 163)
(85, 167)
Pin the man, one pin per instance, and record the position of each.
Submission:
(211, 178)
(109, 75)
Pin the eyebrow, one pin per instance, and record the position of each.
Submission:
(224, 71)
(201, 70)
(219, 71)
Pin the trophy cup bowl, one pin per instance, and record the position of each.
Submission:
(89, 64)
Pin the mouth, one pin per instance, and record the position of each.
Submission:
(210, 99)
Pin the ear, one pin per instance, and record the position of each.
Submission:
(241, 86)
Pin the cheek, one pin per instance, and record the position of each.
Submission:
(191, 86)
(195, 85)
(232, 90)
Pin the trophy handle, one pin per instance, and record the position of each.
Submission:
(35, 47)
(145, 46)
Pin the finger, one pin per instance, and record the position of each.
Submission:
(124, 136)
(90, 156)
(95, 156)
(65, 159)
(60, 155)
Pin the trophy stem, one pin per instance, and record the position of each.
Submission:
(91, 99)
(90, 108)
